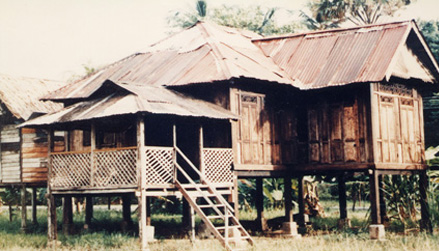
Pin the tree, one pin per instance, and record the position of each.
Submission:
(255, 18)
(331, 13)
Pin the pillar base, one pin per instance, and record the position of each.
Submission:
(344, 224)
(149, 233)
(235, 238)
(377, 232)
(290, 229)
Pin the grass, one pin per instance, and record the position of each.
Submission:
(107, 235)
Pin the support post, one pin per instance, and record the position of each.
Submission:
(34, 206)
(92, 152)
(301, 202)
(192, 231)
(67, 220)
(52, 233)
(186, 214)
(200, 147)
(109, 203)
(374, 197)
(148, 211)
(88, 211)
(126, 212)
(288, 197)
(425, 214)
(259, 201)
(342, 197)
(343, 222)
(376, 229)
(383, 209)
(144, 230)
(23, 208)
(289, 227)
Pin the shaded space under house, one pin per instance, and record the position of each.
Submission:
(211, 104)
(23, 154)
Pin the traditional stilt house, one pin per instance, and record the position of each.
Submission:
(330, 102)
(23, 154)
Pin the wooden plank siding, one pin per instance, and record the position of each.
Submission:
(10, 154)
(398, 124)
(337, 130)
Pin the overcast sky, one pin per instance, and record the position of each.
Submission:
(53, 39)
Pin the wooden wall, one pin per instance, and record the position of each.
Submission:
(34, 154)
(398, 129)
(10, 154)
(337, 128)
(266, 136)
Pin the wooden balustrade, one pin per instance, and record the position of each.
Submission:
(117, 168)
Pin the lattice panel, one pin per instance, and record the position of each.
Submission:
(70, 170)
(115, 168)
(218, 165)
(159, 166)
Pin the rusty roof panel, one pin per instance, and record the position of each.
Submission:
(176, 59)
(21, 95)
(337, 57)
(136, 98)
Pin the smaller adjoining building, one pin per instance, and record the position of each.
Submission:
(23, 154)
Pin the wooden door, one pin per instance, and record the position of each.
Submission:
(255, 133)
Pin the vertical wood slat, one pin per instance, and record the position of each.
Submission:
(51, 208)
(201, 150)
(92, 153)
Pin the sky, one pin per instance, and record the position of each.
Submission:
(55, 39)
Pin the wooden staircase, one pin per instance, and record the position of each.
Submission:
(213, 209)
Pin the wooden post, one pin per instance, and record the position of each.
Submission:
(288, 197)
(383, 209)
(200, 147)
(51, 207)
(126, 212)
(259, 203)
(92, 152)
(88, 211)
(67, 219)
(23, 208)
(148, 211)
(342, 197)
(301, 202)
(374, 197)
(425, 214)
(109, 203)
(235, 197)
(34, 206)
(192, 231)
(186, 219)
(141, 168)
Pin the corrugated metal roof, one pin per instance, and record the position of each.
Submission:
(341, 56)
(135, 99)
(21, 95)
(203, 53)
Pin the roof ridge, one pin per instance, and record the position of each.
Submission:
(213, 43)
(314, 32)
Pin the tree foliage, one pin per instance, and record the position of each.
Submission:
(254, 18)
(331, 13)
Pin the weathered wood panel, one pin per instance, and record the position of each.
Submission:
(337, 129)
(266, 134)
(10, 154)
(398, 129)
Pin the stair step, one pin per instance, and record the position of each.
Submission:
(211, 206)
(217, 216)
(191, 186)
(229, 227)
